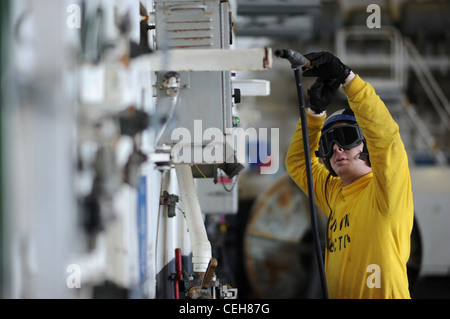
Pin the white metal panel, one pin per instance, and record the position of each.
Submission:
(431, 191)
(220, 198)
(207, 60)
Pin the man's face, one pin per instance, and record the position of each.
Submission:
(346, 161)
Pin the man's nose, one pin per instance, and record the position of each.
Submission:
(337, 148)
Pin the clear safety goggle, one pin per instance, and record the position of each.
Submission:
(346, 136)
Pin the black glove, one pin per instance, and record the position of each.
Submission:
(326, 66)
(321, 94)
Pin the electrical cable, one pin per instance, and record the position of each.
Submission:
(312, 206)
(297, 62)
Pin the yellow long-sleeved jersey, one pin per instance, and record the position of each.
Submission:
(371, 220)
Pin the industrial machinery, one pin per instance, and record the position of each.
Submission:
(109, 103)
(120, 154)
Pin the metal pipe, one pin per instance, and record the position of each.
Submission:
(201, 247)
(178, 272)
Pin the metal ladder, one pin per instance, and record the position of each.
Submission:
(394, 59)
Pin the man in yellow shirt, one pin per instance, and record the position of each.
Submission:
(364, 184)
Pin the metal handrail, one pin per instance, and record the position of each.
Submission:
(431, 87)
(396, 61)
